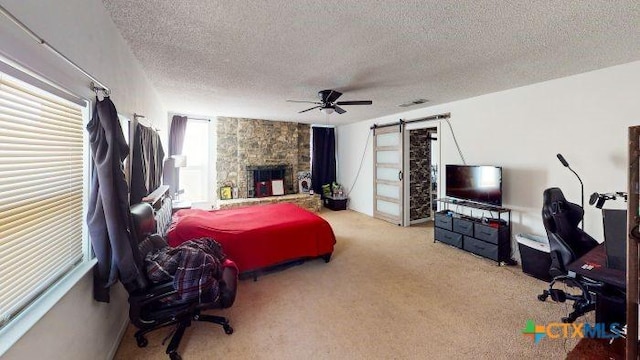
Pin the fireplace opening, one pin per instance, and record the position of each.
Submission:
(269, 180)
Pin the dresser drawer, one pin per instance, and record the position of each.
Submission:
(486, 233)
(448, 237)
(481, 248)
(462, 226)
(443, 221)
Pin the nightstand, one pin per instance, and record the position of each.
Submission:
(335, 203)
(180, 205)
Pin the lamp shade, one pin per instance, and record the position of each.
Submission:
(179, 160)
(327, 110)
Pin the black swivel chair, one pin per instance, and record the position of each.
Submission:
(567, 243)
(149, 312)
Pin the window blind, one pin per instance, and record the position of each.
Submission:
(41, 192)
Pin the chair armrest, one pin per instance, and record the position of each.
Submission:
(228, 283)
(592, 284)
(153, 293)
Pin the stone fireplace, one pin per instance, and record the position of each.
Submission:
(253, 147)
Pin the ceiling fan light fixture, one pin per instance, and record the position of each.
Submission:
(327, 110)
(328, 103)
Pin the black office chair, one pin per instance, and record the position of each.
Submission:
(567, 243)
(150, 309)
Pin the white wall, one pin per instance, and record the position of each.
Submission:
(585, 117)
(78, 327)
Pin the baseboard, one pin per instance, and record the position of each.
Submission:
(419, 221)
(116, 344)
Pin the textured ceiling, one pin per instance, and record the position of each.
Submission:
(246, 58)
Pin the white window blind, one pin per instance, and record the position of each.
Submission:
(41, 192)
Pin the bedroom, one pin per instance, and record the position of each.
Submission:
(583, 113)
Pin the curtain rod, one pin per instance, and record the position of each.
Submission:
(428, 118)
(323, 126)
(137, 116)
(96, 84)
(191, 118)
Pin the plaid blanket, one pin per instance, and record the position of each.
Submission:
(194, 267)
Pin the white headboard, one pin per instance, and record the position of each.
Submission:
(163, 216)
(160, 200)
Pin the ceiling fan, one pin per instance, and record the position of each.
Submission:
(328, 103)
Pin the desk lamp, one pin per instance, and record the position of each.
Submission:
(180, 161)
(566, 164)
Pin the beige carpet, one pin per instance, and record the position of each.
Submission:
(388, 293)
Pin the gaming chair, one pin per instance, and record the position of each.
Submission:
(149, 307)
(567, 243)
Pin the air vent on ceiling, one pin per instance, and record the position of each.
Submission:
(413, 102)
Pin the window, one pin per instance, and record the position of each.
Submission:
(194, 177)
(42, 187)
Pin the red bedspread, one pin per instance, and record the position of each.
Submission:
(256, 237)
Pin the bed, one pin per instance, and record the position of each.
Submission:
(257, 237)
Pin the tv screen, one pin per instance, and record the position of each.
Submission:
(476, 183)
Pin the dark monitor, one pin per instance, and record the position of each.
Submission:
(477, 183)
(615, 238)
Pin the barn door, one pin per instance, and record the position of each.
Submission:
(388, 172)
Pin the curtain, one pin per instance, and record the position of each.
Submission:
(176, 134)
(146, 163)
(108, 217)
(323, 155)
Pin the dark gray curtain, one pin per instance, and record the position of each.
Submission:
(323, 154)
(108, 216)
(176, 134)
(146, 163)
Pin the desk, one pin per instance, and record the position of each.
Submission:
(597, 258)
(179, 205)
(610, 300)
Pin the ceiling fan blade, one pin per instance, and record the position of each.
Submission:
(333, 96)
(315, 107)
(355, 102)
(305, 101)
(339, 110)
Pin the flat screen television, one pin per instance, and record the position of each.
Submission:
(478, 183)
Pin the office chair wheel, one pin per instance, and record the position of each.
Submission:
(175, 356)
(543, 297)
(142, 341)
(227, 329)
(569, 319)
